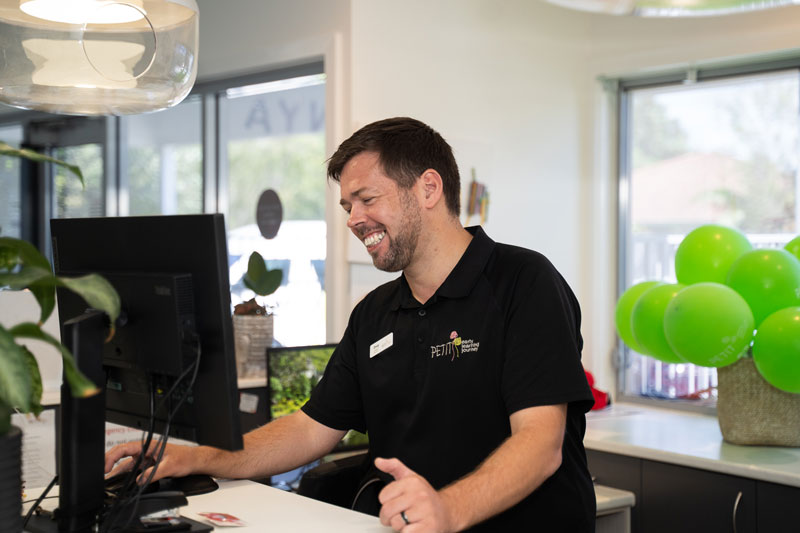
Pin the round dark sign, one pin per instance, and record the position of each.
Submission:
(269, 213)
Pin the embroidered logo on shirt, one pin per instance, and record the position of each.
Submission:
(455, 347)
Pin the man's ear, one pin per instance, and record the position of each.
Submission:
(431, 186)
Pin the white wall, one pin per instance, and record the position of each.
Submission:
(502, 82)
(244, 36)
(505, 84)
(21, 306)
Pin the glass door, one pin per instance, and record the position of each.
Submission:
(80, 141)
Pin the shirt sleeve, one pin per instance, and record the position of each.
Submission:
(336, 399)
(542, 364)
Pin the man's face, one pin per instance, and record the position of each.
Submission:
(386, 218)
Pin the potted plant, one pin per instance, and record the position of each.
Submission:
(23, 267)
(253, 322)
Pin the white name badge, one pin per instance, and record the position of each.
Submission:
(379, 346)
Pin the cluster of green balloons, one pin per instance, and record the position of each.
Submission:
(729, 297)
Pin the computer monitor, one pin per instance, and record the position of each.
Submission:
(171, 273)
(293, 373)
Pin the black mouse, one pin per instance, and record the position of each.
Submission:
(117, 482)
(189, 485)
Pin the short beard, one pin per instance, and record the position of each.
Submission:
(402, 247)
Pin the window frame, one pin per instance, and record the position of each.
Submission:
(622, 87)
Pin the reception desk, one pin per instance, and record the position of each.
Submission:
(265, 508)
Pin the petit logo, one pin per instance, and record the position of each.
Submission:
(455, 347)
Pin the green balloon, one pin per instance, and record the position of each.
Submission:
(768, 280)
(776, 349)
(708, 324)
(647, 321)
(622, 314)
(707, 252)
(793, 247)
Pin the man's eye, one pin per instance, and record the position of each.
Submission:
(369, 200)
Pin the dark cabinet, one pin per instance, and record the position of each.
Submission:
(677, 498)
(621, 472)
(778, 507)
(673, 498)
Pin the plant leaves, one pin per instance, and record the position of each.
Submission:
(36, 381)
(8, 258)
(45, 293)
(97, 292)
(24, 278)
(6, 149)
(260, 280)
(15, 380)
(27, 255)
(81, 386)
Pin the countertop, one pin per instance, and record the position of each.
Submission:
(687, 439)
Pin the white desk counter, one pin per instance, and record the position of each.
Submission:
(265, 508)
(261, 506)
(687, 439)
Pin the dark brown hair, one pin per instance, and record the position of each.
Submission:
(407, 148)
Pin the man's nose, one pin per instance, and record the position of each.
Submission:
(355, 217)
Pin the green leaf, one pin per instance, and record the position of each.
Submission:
(36, 382)
(15, 380)
(44, 290)
(6, 149)
(45, 293)
(260, 280)
(8, 258)
(26, 253)
(97, 292)
(81, 385)
(25, 277)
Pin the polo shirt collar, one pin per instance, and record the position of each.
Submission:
(463, 277)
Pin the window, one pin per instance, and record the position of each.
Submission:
(274, 138)
(720, 150)
(216, 151)
(163, 163)
(70, 199)
(10, 202)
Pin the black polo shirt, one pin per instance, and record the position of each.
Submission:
(434, 384)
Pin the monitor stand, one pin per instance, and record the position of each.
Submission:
(80, 434)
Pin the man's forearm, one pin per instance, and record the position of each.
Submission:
(277, 447)
(514, 470)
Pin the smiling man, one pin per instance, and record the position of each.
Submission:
(465, 371)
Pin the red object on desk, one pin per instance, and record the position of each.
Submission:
(601, 398)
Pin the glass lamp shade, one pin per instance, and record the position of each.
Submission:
(97, 57)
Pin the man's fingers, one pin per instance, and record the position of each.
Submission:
(393, 467)
(391, 506)
(145, 475)
(122, 467)
(119, 451)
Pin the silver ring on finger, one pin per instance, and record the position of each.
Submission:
(405, 518)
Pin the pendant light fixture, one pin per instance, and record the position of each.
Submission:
(671, 8)
(97, 57)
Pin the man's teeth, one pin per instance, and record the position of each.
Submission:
(374, 238)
